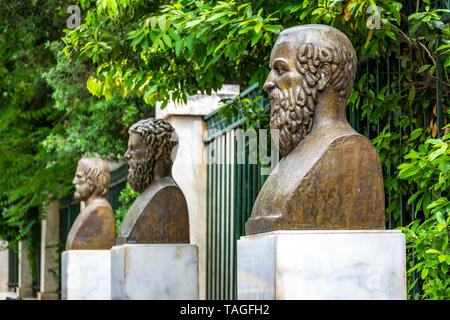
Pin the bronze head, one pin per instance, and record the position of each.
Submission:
(312, 67)
(150, 144)
(92, 179)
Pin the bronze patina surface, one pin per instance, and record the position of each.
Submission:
(160, 213)
(330, 177)
(95, 226)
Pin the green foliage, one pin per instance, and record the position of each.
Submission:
(48, 118)
(428, 168)
(26, 113)
(126, 198)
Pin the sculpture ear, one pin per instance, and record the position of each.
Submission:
(324, 76)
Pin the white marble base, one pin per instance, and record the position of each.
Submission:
(86, 275)
(322, 265)
(154, 272)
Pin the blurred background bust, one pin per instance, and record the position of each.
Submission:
(94, 228)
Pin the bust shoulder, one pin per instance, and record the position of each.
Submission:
(158, 215)
(94, 228)
(325, 182)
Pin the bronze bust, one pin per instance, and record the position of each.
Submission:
(160, 213)
(95, 226)
(330, 176)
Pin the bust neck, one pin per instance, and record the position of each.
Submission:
(94, 200)
(329, 109)
(163, 169)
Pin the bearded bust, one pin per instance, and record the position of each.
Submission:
(159, 214)
(330, 176)
(95, 226)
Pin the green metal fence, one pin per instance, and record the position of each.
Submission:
(13, 270)
(13, 256)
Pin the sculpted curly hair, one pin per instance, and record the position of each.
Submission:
(96, 171)
(158, 135)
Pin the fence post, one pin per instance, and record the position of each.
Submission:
(190, 165)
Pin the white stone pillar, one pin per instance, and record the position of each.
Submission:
(25, 288)
(49, 281)
(86, 275)
(189, 168)
(322, 265)
(162, 271)
(4, 266)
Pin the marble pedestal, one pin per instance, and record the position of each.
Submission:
(154, 272)
(86, 275)
(322, 265)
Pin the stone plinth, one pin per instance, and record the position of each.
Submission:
(154, 272)
(322, 265)
(86, 275)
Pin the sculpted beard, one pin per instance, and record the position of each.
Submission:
(83, 192)
(292, 113)
(140, 174)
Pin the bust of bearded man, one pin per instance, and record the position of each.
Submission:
(95, 226)
(330, 176)
(160, 213)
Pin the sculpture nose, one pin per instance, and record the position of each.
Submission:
(268, 85)
(127, 155)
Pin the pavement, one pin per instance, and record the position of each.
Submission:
(13, 295)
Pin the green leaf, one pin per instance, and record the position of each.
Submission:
(162, 23)
(273, 28)
(442, 258)
(433, 141)
(438, 152)
(416, 133)
(256, 37)
(134, 34)
(408, 172)
(153, 22)
(433, 251)
(440, 218)
(258, 27)
(414, 196)
(218, 15)
(166, 40)
(424, 67)
(391, 35)
(221, 44)
(179, 46)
